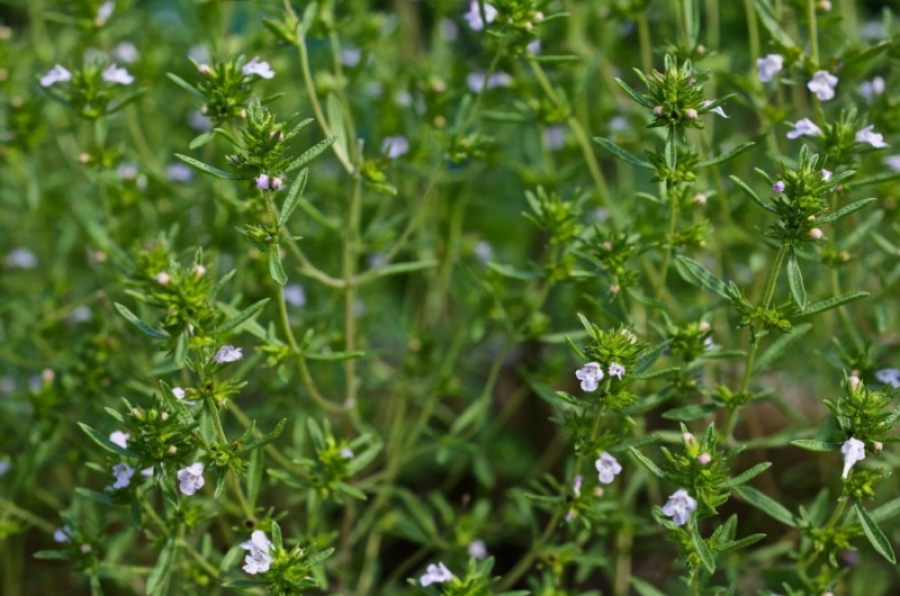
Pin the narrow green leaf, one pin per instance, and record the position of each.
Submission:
(201, 140)
(245, 314)
(335, 116)
(812, 445)
(204, 167)
(845, 211)
(134, 320)
(752, 194)
(741, 543)
(104, 442)
(267, 438)
(398, 268)
(633, 94)
(823, 305)
(725, 157)
(334, 356)
(766, 504)
(310, 154)
(781, 344)
(748, 475)
(647, 463)
(701, 548)
(643, 588)
(294, 194)
(186, 86)
(795, 280)
(876, 537)
(275, 268)
(877, 179)
(688, 413)
(671, 150)
(770, 22)
(161, 574)
(696, 273)
(622, 154)
(885, 512)
(255, 468)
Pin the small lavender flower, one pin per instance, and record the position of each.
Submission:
(477, 549)
(126, 52)
(5, 466)
(260, 69)
(484, 251)
(120, 438)
(778, 187)
(868, 135)
(555, 137)
(58, 74)
(823, 84)
(294, 295)
(826, 174)
(105, 11)
(178, 172)
(872, 89)
(854, 450)
(893, 162)
(435, 574)
(263, 182)
(704, 459)
(576, 485)
(178, 392)
(534, 47)
(716, 110)
(473, 17)
(608, 467)
(476, 81)
(589, 375)
(616, 370)
(679, 507)
(804, 128)
(228, 354)
(769, 66)
(350, 56)
(63, 534)
(889, 376)
(115, 74)
(395, 146)
(123, 473)
(21, 258)
(190, 479)
(259, 558)
(346, 453)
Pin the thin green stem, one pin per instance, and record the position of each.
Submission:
(223, 440)
(813, 32)
(351, 241)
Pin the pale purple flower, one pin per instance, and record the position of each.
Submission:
(576, 485)
(259, 558)
(179, 172)
(126, 52)
(893, 162)
(58, 74)
(115, 74)
(147, 472)
(190, 479)
(350, 56)
(854, 450)
(105, 11)
(589, 375)
(679, 507)
(534, 47)
(484, 251)
(179, 393)
(63, 534)
(21, 258)
(826, 174)
(616, 370)
(889, 376)
(608, 467)
(5, 466)
(119, 438)
(294, 295)
(478, 81)
(868, 135)
(395, 147)
(704, 459)
(123, 473)
(769, 66)
(260, 69)
(477, 549)
(228, 354)
(199, 54)
(555, 137)
(448, 29)
(473, 17)
(199, 121)
(822, 85)
(872, 89)
(346, 453)
(716, 110)
(127, 170)
(263, 182)
(804, 128)
(403, 98)
(778, 187)
(435, 574)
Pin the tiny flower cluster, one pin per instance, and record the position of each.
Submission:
(591, 374)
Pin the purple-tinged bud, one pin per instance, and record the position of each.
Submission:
(778, 187)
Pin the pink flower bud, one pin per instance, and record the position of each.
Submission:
(704, 459)
(277, 183)
(690, 114)
(163, 278)
(816, 234)
(854, 382)
(877, 445)
(658, 111)
(688, 438)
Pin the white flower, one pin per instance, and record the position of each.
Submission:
(608, 467)
(576, 484)
(477, 549)
(294, 295)
(473, 17)
(258, 558)
(179, 172)
(716, 110)
(769, 66)
(823, 84)
(868, 135)
(255, 67)
(854, 450)
(228, 354)
(534, 47)
(58, 74)
(893, 162)
(126, 52)
(114, 74)
(123, 473)
(105, 11)
(191, 478)
(178, 392)
(872, 89)
(590, 374)
(476, 81)
(120, 438)
(616, 370)
(147, 472)
(889, 376)
(347, 453)
(394, 147)
(435, 574)
(21, 258)
(63, 534)
(804, 128)
(826, 174)
(679, 507)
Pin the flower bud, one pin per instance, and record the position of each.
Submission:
(877, 445)
(778, 187)
(704, 459)
(163, 278)
(658, 111)
(703, 326)
(164, 416)
(699, 199)
(607, 246)
(205, 70)
(277, 183)
(853, 381)
(199, 270)
(816, 234)
(172, 450)
(85, 548)
(690, 114)
(614, 289)
(688, 438)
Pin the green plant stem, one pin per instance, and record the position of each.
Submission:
(813, 32)
(12, 509)
(351, 242)
(525, 562)
(670, 232)
(223, 440)
(644, 40)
